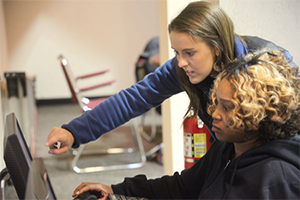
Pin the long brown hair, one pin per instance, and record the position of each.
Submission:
(209, 22)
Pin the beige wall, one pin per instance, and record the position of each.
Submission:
(3, 43)
(93, 35)
(3, 67)
(274, 20)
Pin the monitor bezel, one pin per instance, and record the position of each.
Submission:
(17, 156)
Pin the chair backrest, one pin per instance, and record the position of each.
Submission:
(73, 86)
(143, 66)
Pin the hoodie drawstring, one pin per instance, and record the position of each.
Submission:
(232, 177)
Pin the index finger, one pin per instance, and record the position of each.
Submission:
(53, 137)
(83, 187)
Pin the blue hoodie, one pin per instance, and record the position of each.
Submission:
(148, 93)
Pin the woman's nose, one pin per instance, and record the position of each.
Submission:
(215, 115)
(181, 62)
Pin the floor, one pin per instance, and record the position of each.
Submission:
(64, 180)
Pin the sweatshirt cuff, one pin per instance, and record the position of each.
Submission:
(75, 144)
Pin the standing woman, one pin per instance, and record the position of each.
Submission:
(203, 39)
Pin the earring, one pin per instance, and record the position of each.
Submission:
(217, 67)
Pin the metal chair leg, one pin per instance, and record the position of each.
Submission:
(138, 145)
(152, 135)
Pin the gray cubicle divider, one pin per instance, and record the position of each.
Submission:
(21, 101)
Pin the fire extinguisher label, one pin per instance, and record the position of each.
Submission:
(188, 151)
(194, 145)
(199, 144)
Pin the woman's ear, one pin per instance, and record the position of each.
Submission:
(217, 52)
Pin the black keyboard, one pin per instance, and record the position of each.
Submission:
(122, 197)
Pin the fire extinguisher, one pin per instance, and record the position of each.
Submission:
(196, 140)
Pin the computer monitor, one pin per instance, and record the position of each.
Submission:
(29, 176)
(17, 156)
(38, 182)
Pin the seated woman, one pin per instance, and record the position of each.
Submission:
(256, 118)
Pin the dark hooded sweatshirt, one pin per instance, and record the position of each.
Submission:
(269, 171)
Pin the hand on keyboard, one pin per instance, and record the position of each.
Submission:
(122, 197)
(89, 195)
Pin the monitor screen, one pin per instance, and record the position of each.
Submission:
(25, 173)
(17, 156)
(38, 182)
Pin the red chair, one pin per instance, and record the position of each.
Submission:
(88, 104)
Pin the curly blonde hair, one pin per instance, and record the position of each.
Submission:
(266, 96)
